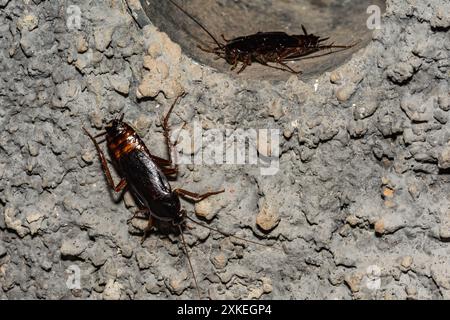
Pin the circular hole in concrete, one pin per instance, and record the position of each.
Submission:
(344, 21)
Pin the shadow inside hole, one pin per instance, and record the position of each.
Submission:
(344, 21)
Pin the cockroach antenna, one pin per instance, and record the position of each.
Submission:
(189, 261)
(198, 23)
(226, 234)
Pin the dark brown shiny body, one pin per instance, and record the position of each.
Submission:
(272, 44)
(144, 176)
(265, 47)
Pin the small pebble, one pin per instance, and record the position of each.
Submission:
(388, 193)
(379, 227)
(112, 290)
(385, 181)
(32, 217)
(178, 283)
(400, 72)
(411, 291)
(407, 262)
(73, 247)
(208, 208)
(352, 220)
(46, 265)
(388, 203)
(444, 102)
(144, 259)
(88, 156)
(414, 191)
(353, 281)
(28, 22)
(33, 148)
(151, 284)
(345, 92)
(219, 260)
(3, 251)
(120, 84)
(102, 38)
(255, 293)
(82, 45)
(268, 217)
(336, 77)
(276, 109)
(34, 220)
(267, 285)
(444, 158)
(366, 110)
(288, 132)
(139, 224)
(98, 256)
(154, 50)
(14, 224)
(444, 231)
(142, 124)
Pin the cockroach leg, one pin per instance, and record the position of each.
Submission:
(247, 61)
(101, 155)
(169, 171)
(147, 229)
(100, 134)
(304, 30)
(206, 49)
(289, 68)
(235, 63)
(225, 39)
(122, 184)
(160, 161)
(281, 60)
(244, 65)
(286, 69)
(138, 212)
(166, 128)
(196, 197)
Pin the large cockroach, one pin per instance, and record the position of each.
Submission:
(146, 176)
(267, 47)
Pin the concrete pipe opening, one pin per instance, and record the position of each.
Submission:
(344, 22)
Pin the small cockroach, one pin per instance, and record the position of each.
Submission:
(146, 176)
(267, 47)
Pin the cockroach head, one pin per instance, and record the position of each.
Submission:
(181, 217)
(309, 40)
(231, 55)
(116, 126)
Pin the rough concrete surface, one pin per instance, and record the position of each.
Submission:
(359, 209)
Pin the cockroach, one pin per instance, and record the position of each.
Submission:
(267, 47)
(146, 176)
